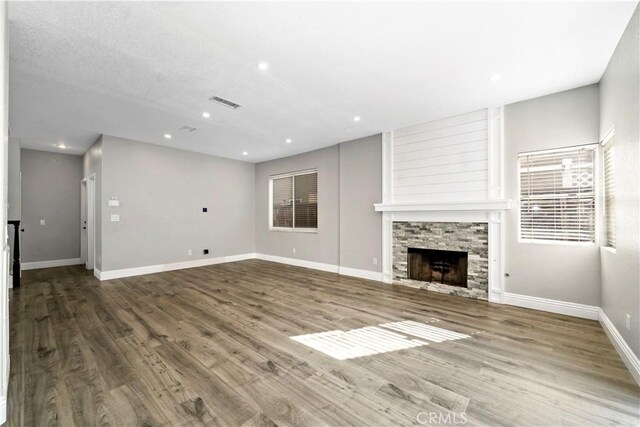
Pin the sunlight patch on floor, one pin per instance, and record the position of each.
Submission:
(370, 340)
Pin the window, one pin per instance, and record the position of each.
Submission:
(609, 189)
(557, 195)
(294, 201)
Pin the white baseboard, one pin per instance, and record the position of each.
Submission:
(553, 306)
(626, 354)
(362, 274)
(138, 271)
(3, 409)
(299, 262)
(49, 264)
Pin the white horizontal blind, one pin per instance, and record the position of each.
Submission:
(282, 198)
(442, 160)
(557, 195)
(294, 199)
(610, 192)
(306, 200)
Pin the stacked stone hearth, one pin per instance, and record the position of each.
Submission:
(470, 237)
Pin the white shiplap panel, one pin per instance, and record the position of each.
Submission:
(441, 197)
(451, 187)
(472, 156)
(442, 123)
(447, 141)
(441, 151)
(481, 165)
(442, 160)
(441, 179)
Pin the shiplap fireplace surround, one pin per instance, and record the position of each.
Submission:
(449, 170)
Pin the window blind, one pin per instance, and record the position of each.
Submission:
(306, 201)
(557, 195)
(295, 201)
(282, 196)
(610, 192)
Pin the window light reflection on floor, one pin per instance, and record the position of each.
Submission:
(370, 340)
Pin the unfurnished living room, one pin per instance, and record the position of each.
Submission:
(320, 213)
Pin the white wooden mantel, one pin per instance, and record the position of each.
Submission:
(480, 205)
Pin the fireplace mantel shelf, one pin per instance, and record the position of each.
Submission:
(478, 205)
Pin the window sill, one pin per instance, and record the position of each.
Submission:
(295, 230)
(556, 243)
(608, 249)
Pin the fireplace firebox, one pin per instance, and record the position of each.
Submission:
(437, 266)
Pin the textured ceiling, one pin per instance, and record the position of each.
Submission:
(142, 69)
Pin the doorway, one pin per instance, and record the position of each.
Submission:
(87, 221)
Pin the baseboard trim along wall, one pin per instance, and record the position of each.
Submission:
(49, 264)
(626, 354)
(361, 274)
(554, 306)
(331, 268)
(150, 269)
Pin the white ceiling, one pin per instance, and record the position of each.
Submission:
(142, 69)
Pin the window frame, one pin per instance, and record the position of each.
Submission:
(292, 229)
(596, 189)
(608, 139)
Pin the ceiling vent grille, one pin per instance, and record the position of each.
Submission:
(224, 102)
(188, 129)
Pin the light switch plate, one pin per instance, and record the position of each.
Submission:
(42, 222)
(114, 203)
(115, 218)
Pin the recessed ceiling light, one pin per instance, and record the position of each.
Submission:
(167, 135)
(495, 78)
(62, 145)
(206, 115)
(356, 118)
(263, 66)
(244, 153)
(288, 141)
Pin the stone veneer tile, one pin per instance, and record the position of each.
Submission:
(470, 237)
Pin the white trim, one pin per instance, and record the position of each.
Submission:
(299, 262)
(610, 134)
(362, 274)
(552, 306)
(138, 271)
(3, 409)
(477, 205)
(626, 354)
(48, 264)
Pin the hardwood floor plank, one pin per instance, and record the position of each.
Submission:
(212, 346)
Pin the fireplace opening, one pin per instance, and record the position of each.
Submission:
(438, 266)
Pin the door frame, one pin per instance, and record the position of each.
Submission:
(88, 214)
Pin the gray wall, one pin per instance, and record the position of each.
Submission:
(560, 272)
(360, 188)
(322, 246)
(620, 107)
(162, 192)
(92, 165)
(50, 191)
(13, 180)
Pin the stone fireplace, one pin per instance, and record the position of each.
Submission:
(447, 257)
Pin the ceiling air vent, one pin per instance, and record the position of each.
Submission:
(188, 129)
(224, 102)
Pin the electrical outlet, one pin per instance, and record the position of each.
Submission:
(189, 252)
(42, 222)
(206, 251)
(294, 250)
(628, 322)
(375, 261)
